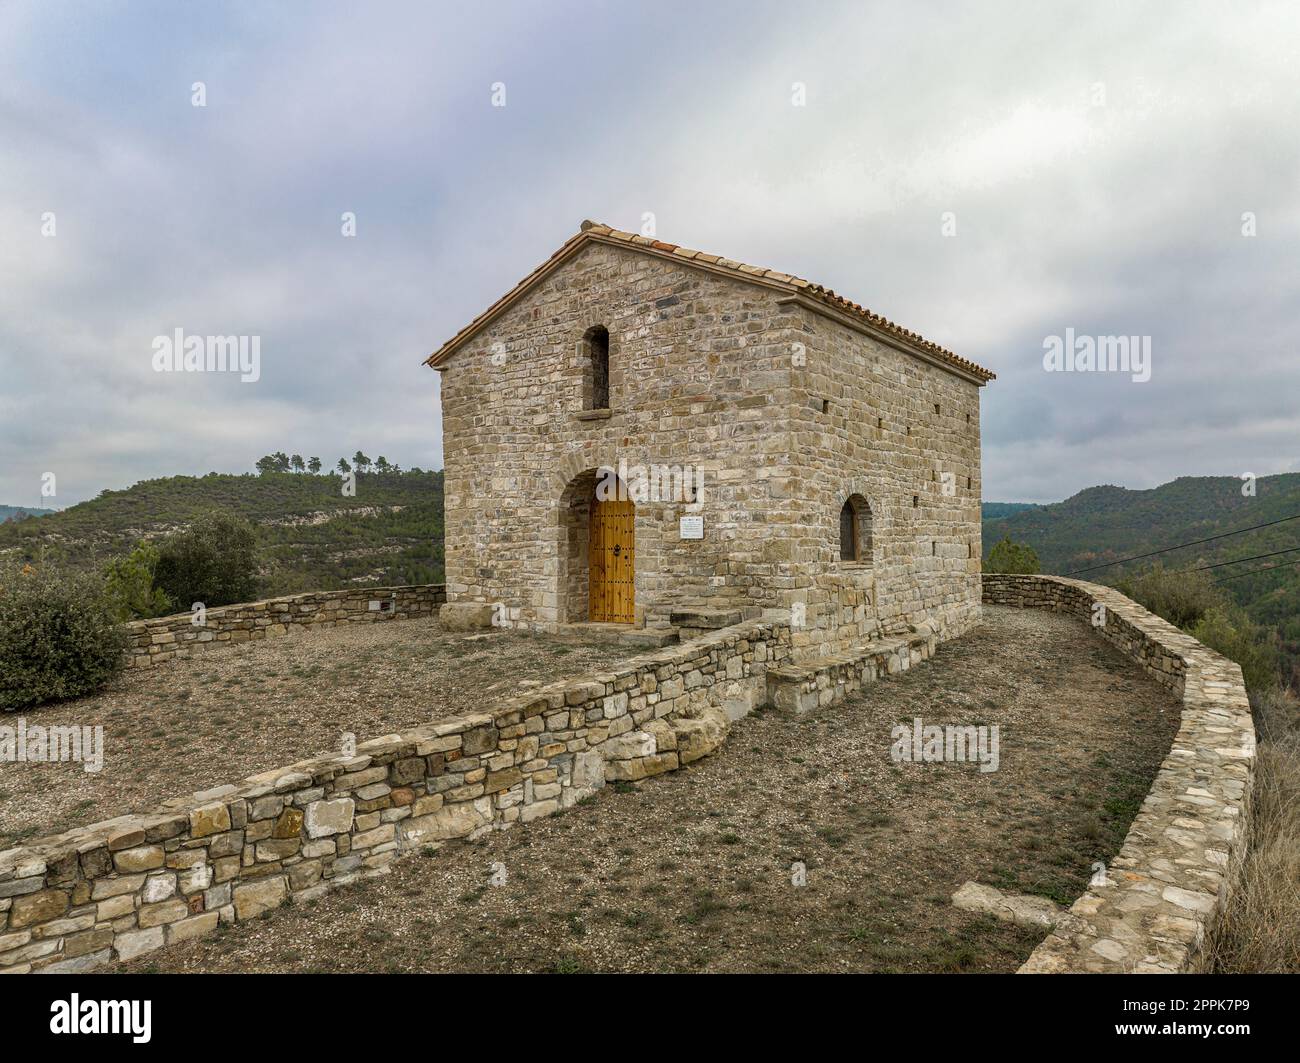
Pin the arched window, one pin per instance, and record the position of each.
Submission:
(855, 529)
(596, 371)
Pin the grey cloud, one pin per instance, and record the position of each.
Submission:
(1123, 218)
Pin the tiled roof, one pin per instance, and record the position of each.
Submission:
(593, 232)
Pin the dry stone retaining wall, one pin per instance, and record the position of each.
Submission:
(118, 889)
(167, 637)
(1172, 877)
(121, 888)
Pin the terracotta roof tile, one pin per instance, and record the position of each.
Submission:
(591, 230)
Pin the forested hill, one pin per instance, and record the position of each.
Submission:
(19, 512)
(310, 535)
(989, 510)
(1107, 523)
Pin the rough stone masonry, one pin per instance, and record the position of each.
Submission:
(121, 888)
(788, 402)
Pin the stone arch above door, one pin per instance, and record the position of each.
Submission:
(581, 578)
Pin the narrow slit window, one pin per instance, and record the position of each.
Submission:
(596, 371)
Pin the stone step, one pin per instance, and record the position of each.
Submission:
(807, 685)
(704, 618)
(650, 637)
(618, 635)
(1027, 910)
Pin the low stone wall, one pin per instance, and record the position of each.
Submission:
(121, 888)
(167, 637)
(803, 687)
(118, 889)
(1161, 894)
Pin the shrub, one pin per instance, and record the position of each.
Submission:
(1231, 632)
(1182, 598)
(129, 581)
(59, 636)
(1190, 601)
(1012, 557)
(213, 561)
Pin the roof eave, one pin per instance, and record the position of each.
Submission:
(565, 251)
(793, 289)
(975, 374)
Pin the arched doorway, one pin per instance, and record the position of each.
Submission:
(597, 576)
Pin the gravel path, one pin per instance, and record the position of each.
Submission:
(236, 710)
(692, 871)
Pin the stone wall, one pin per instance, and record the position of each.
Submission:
(699, 376)
(1173, 874)
(121, 888)
(167, 637)
(871, 420)
(785, 409)
(117, 889)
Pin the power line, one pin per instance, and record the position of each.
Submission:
(1257, 557)
(1266, 568)
(1180, 546)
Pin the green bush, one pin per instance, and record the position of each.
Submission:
(1012, 557)
(129, 580)
(1182, 598)
(1230, 632)
(59, 636)
(1189, 600)
(213, 561)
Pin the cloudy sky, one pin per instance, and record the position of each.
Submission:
(1097, 161)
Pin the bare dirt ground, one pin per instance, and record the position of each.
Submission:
(692, 871)
(236, 710)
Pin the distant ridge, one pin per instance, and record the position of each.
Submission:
(18, 512)
(989, 510)
(310, 535)
(1106, 523)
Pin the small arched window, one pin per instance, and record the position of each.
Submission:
(596, 370)
(855, 529)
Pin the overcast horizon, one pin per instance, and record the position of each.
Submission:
(988, 177)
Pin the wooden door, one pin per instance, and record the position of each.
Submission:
(612, 554)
